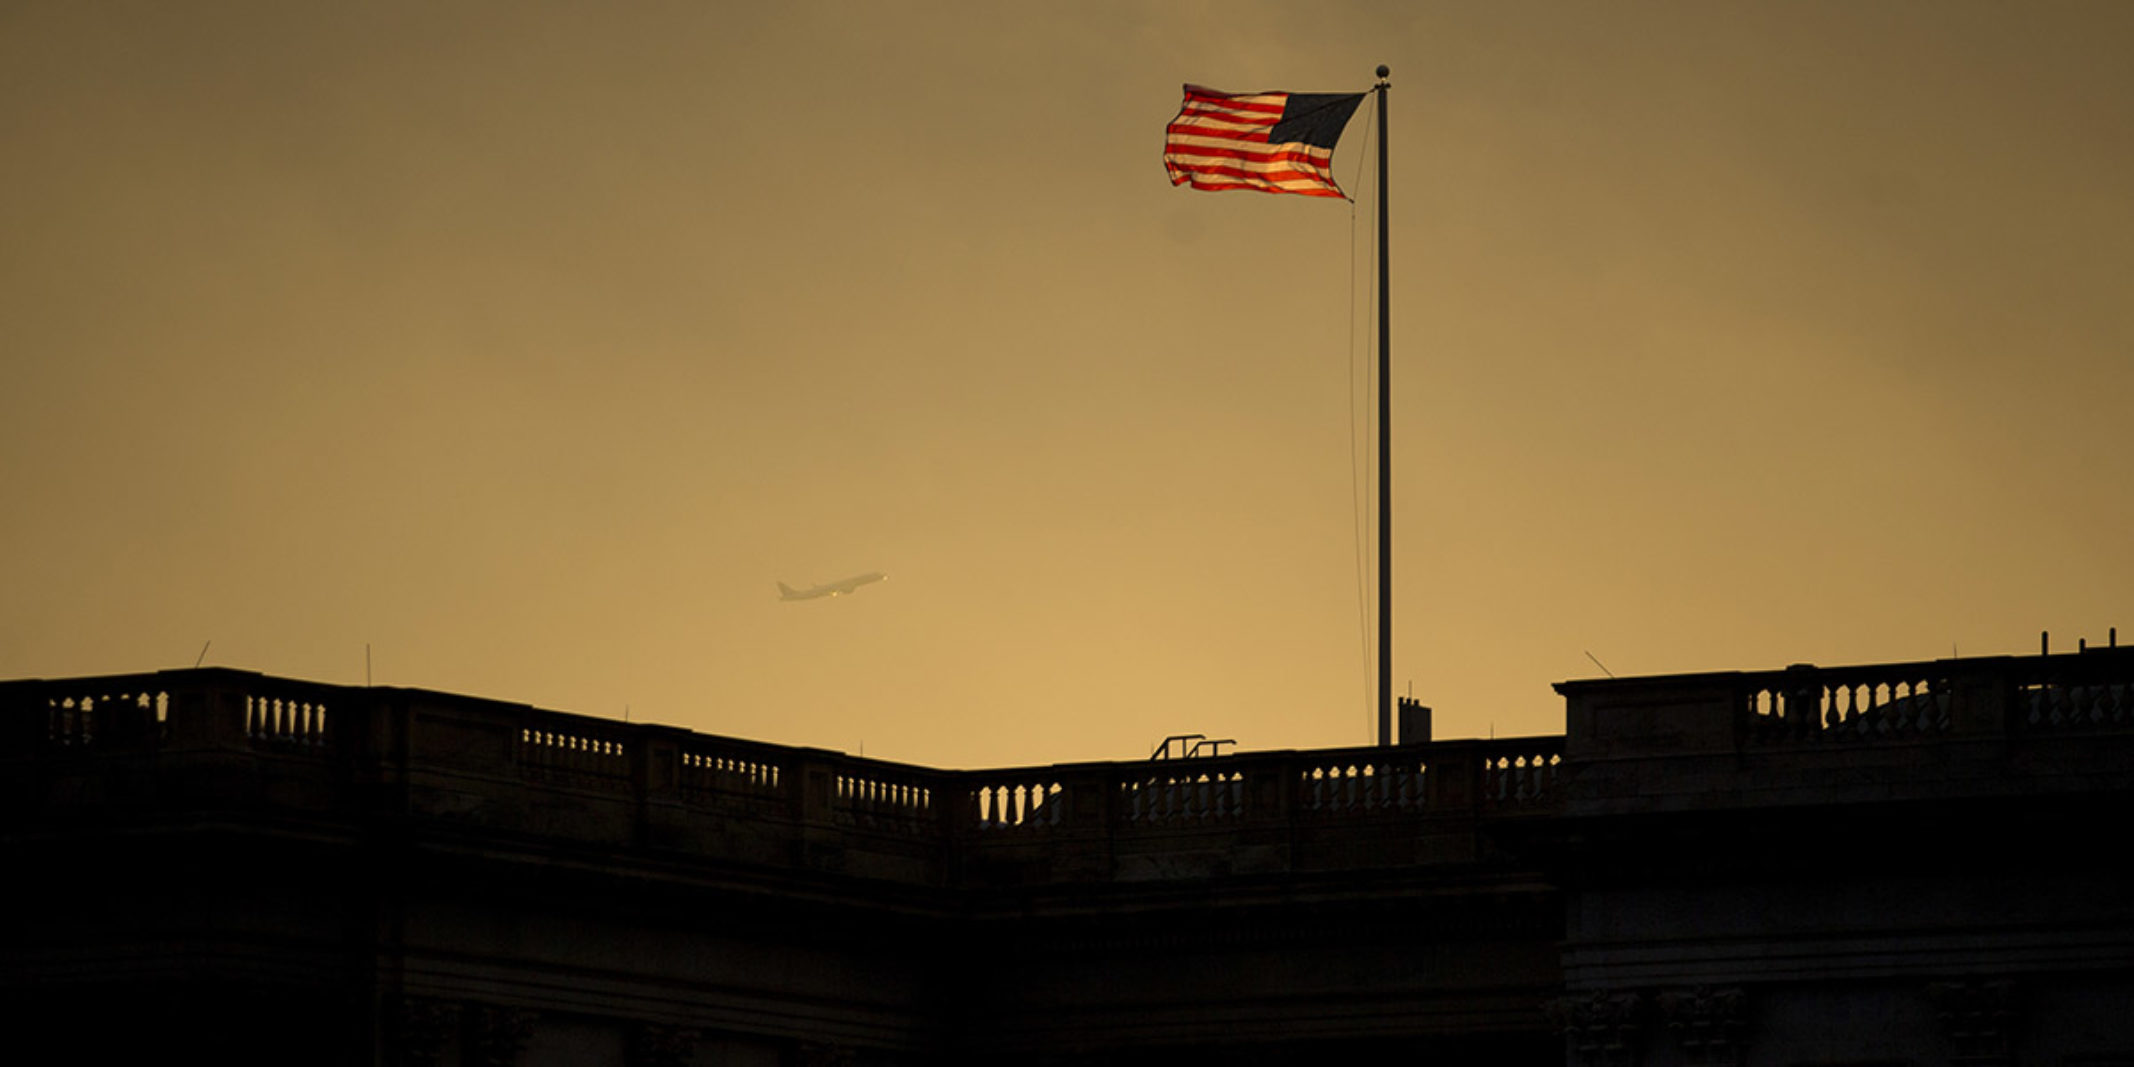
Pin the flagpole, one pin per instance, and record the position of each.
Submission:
(1385, 441)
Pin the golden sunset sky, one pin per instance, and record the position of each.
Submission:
(532, 344)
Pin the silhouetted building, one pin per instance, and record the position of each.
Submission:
(1903, 864)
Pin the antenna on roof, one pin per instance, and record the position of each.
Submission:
(1598, 663)
(203, 652)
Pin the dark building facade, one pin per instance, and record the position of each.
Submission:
(1886, 865)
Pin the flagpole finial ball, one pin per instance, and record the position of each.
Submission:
(1384, 71)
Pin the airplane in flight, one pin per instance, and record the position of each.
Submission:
(836, 588)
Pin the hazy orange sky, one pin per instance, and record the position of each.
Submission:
(531, 344)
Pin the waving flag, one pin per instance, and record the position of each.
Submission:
(1272, 142)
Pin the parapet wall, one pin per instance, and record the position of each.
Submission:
(224, 737)
(1806, 735)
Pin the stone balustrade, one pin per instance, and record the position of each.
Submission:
(344, 749)
(1932, 730)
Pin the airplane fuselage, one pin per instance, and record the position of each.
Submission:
(836, 588)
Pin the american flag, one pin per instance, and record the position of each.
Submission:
(1272, 142)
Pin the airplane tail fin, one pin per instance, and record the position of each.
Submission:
(786, 592)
